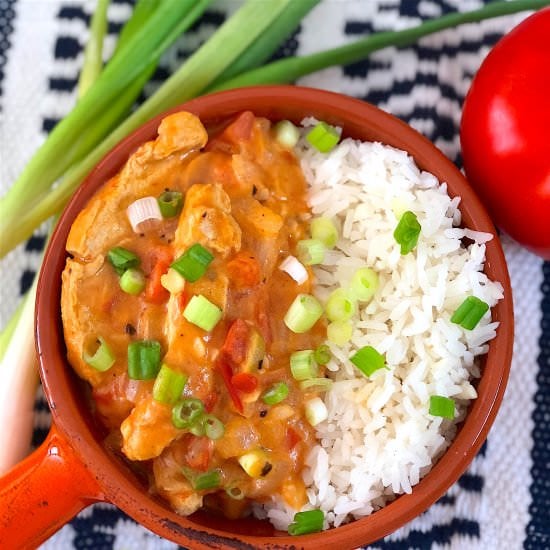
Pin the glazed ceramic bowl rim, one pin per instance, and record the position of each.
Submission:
(119, 486)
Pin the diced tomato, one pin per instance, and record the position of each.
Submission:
(227, 372)
(235, 132)
(199, 452)
(155, 293)
(292, 437)
(158, 261)
(244, 271)
(236, 342)
(244, 382)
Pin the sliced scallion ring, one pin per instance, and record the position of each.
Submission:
(102, 359)
(303, 313)
(302, 365)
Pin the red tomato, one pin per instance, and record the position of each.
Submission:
(505, 133)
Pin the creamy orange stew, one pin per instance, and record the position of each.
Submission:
(244, 203)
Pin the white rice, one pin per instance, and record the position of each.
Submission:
(379, 439)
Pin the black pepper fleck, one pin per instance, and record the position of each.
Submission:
(130, 329)
(263, 413)
(266, 469)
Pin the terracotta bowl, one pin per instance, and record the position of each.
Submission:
(72, 469)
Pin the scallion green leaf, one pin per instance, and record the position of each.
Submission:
(187, 412)
(316, 384)
(324, 230)
(122, 259)
(442, 406)
(170, 203)
(322, 354)
(339, 332)
(303, 313)
(202, 312)
(307, 522)
(132, 281)
(213, 427)
(368, 360)
(407, 232)
(277, 393)
(102, 359)
(169, 385)
(204, 481)
(340, 305)
(193, 263)
(323, 137)
(470, 312)
(302, 365)
(143, 359)
(364, 284)
(310, 251)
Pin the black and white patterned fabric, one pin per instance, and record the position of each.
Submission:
(503, 500)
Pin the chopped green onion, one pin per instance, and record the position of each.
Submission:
(315, 411)
(307, 522)
(132, 281)
(193, 263)
(310, 251)
(170, 203)
(122, 259)
(197, 428)
(470, 312)
(169, 385)
(316, 384)
(143, 359)
(442, 406)
(234, 492)
(302, 365)
(323, 137)
(339, 332)
(303, 313)
(202, 312)
(407, 232)
(103, 358)
(368, 360)
(275, 394)
(208, 480)
(286, 134)
(172, 281)
(187, 412)
(340, 305)
(364, 284)
(322, 355)
(324, 230)
(213, 427)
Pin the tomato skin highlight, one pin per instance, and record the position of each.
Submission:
(505, 131)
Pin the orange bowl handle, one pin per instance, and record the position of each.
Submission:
(43, 492)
